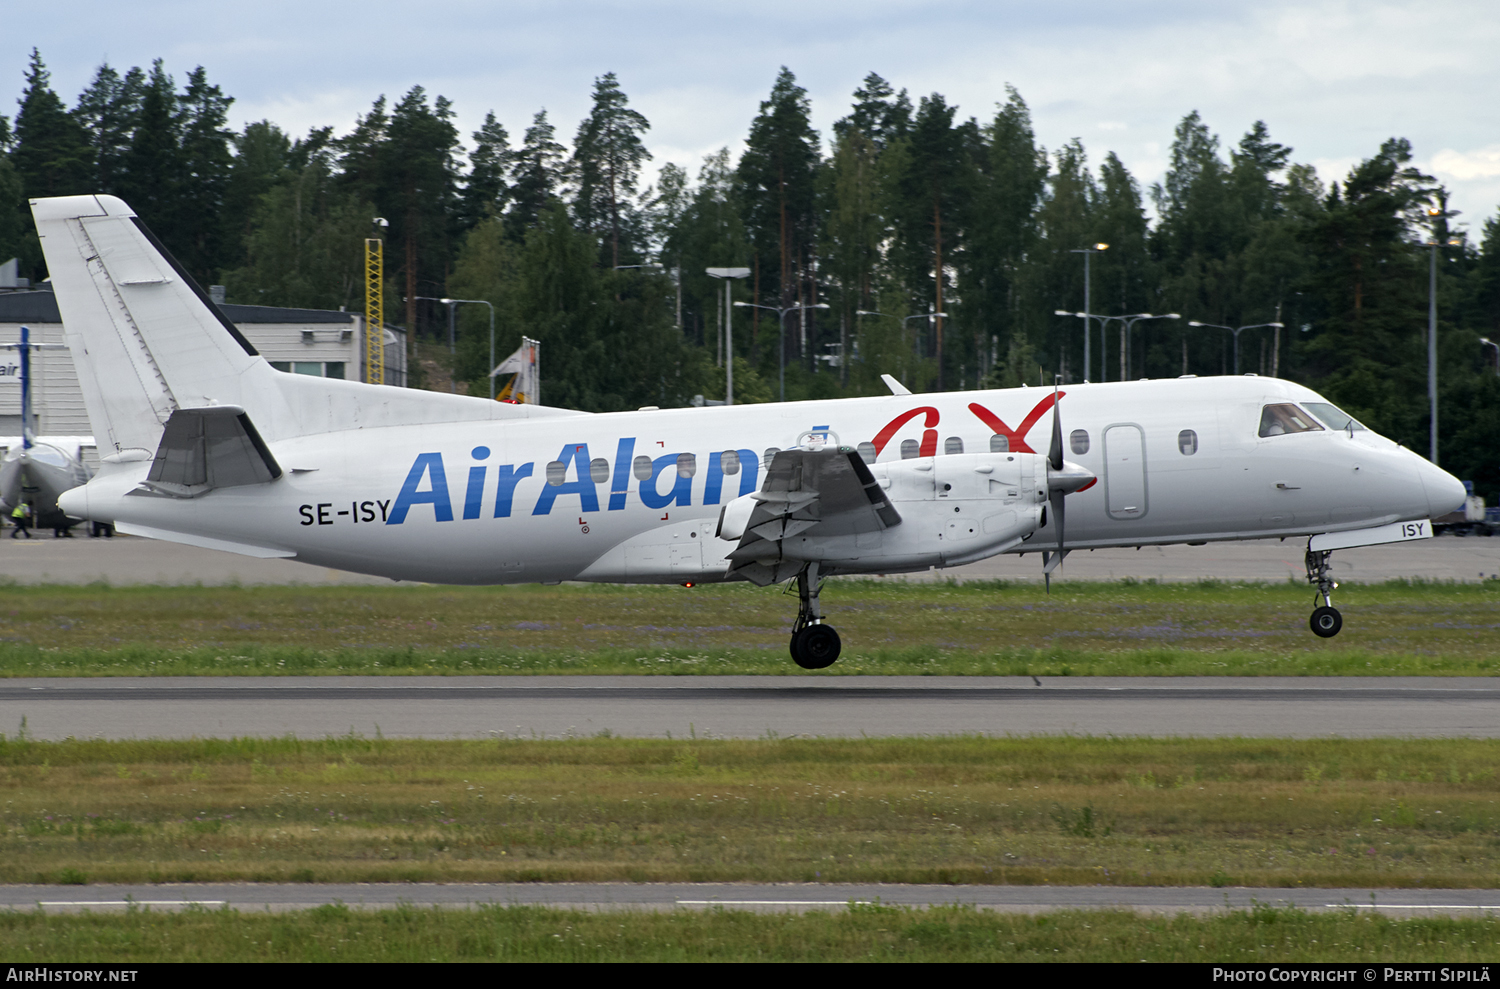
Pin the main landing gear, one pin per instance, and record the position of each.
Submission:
(815, 646)
(1326, 620)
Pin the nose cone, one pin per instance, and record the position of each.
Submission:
(1445, 493)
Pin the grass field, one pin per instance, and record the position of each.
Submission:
(1082, 628)
(861, 933)
(1217, 812)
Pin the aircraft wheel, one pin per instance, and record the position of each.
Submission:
(1326, 622)
(816, 647)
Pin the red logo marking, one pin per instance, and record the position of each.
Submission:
(929, 438)
(1015, 437)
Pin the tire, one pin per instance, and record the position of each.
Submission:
(816, 647)
(1326, 622)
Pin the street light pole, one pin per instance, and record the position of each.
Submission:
(1236, 330)
(1126, 324)
(1087, 285)
(1490, 343)
(452, 346)
(1129, 325)
(929, 316)
(1439, 216)
(480, 302)
(781, 326)
(728, 275)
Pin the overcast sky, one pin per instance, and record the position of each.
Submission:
(1331, 79)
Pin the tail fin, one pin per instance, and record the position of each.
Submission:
(145, 339)
(147, 342)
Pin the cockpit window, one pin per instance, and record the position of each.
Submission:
(1332, 416)
(1278, 419)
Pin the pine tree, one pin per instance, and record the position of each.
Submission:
(607, 158)
(855, 227)
(778, 187)
(152, 178)
(109, 110)
(420, 187)
(1369, 351)
(486, 192)
(537, 176)
(1001, 233)
(932, 190)
(1065, 224)
(52, 152)
(708, 232)
(207, 162)
(262, 158)
(306, 234)
(17, 236)
(879, 113)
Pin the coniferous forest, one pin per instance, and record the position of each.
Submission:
(907, 208)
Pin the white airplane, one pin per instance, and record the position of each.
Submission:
(205, 443)
(38, 469)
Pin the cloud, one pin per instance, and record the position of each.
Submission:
(1331, 78)
(1483, 163)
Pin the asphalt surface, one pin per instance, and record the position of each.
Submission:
(750, 707)
(737, 896)
(131, 560)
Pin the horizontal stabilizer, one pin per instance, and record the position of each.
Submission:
(208, 448)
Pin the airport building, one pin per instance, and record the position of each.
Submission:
(298, 341)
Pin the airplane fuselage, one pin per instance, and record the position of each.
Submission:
(637, 496)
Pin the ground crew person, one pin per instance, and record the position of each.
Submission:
(21, 516)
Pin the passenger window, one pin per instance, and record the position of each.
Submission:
(867, 452)
(687, 465)
(953, 444)
(1079, 441)
(1187, 442)
(557, 472)
(599, 470)
(910, 449)
(641, 466)
(1276, 420)
(999, 443)
(729, 462)
(769, 456)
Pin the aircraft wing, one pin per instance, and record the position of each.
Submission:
(809, 494)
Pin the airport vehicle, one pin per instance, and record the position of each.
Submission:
(205, 443)
(37, 470)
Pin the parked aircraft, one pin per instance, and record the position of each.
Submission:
(205, 443)
(37, 470)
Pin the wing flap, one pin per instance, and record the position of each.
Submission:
(809, 494)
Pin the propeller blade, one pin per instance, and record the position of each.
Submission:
(1055, 453)
(1055, 492)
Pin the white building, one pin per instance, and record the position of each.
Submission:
(298, 341)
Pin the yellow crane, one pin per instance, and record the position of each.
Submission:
(375, 306)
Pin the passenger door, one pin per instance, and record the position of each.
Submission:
(1125, 471)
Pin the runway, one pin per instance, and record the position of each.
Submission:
(788, 897)
(127, 560)
(750, 707)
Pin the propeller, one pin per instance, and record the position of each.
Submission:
(1063, 479)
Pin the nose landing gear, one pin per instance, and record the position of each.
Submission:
(1326, 620)
(814, 646)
